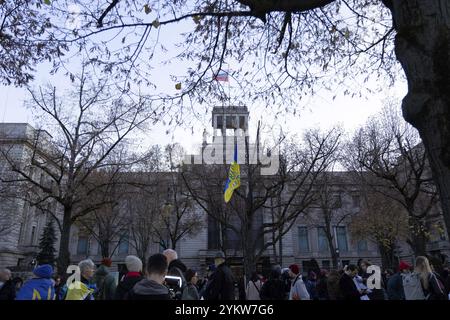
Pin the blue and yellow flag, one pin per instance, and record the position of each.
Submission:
(234, 178)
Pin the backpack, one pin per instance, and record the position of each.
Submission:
(412, 286)
(436, 292)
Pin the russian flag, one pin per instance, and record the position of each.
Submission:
(221, 76)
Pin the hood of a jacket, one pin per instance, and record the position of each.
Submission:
(147, 287)
(102, 271)
(178, 264)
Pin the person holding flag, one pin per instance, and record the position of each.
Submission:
(234, 178)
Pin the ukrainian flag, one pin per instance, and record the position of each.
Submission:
(234, 178)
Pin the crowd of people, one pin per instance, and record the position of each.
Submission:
(165, 277)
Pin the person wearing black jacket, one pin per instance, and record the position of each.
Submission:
(152, 286)
(133, 276)
(176, 267)
(274, 288)
(221, 286)
(347, 286)
(7, 286)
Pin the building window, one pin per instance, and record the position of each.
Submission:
(82, 247)
(341, 235)
(303, 242)
(33, 232)
(326, 264)
(219, 122)
(322, 239)
(337, 201)
(362, 245)
(356, 201)
(242, 122)
(123, 245)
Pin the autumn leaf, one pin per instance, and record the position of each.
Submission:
(47, 2)
(178, 86)
(147, 9)
(196, 19)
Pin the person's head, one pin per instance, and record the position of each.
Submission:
(404, 267)
(312, 275)
(352, 270)
(219, 258)
(170, 255)
(107, 262)
(18, 282)
(364, 264)
(157, 266)
(133, 263)
(5, 275)
(254, 277)
(57, 279)
(275, 273)
(191, 276)
(43, 271)
(294, 270)
(87, 268)
(424, 269)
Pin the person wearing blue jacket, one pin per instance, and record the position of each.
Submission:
(41, 287)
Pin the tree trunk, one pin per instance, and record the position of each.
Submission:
(64, 253)
(422, 46)
(387, 254)
(418, 240)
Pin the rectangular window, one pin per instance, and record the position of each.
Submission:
(242, 122)
(33, 232)
(322, 239)
(229, 122)
(337, 202)
(303, 241)
(82, 246)
(356, 201)
(362, 245)
(219, 122)
(341, 235)
(123, 245)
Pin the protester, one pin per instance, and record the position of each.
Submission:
(322, 288)
(59, 285)
(347, 286)
(253, 288)
(82, 289)
(41, 287)
(190, 292)
(176, 268)
(221, 286)
(311, 285)
(105, 282)
(152, 286)
(333, 288)
(7, 287)
(298, 289)
(432, 287)
(18, 283)
(133, 276)
(274, 288)
(395, 290)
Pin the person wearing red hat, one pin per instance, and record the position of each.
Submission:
(395, 290)
(298, 288)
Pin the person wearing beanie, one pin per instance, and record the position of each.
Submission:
(395, 290)
(41, 287)
(298, 289)
(105, 282)
(133, 276)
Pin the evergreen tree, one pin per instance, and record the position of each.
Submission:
(46, 253)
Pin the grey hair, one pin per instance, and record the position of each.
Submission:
(85, 264)
(171, 253)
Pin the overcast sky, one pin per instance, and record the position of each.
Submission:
(318, 110)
